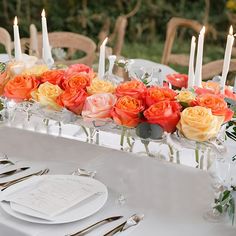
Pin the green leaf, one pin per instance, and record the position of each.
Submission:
(219, 208)
(231, 209)
(226, 194)
(184, 104)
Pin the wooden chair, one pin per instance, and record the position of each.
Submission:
(5, 39)
(172, 27)
(116, 38)
(213, 68)
(73, 42)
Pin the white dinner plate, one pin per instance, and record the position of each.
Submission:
(80, 211)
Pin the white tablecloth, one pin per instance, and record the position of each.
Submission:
(173, 198)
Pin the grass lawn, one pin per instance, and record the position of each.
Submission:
(153, 52)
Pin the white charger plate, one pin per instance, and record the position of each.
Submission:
(80, 211)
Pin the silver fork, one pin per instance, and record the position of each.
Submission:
(10, 183)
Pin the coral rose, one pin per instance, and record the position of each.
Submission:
(134, 88)
(55, 77)
(178, 80)
(217, 105)
(46, 95)
(198, 123)
(100, 86)
(230, 94)
(164, 113)
(126, 111)
(76, 80)
(20, 87)
(156, 94)
(185, 96)
(73, 99)
(81, 69)
(98, 106)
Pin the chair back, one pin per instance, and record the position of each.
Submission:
(172, 27)
(73, 42)
(5, 39)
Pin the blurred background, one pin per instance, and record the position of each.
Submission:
(147, 20)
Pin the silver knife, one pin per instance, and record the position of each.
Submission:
(132, 221)
(87, 229)
(12, 171)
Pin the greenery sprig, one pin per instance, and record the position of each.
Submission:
(225, 203)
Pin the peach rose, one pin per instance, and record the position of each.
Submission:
(126, 111)
(73, 99)
(164, 113)
(55, 77)
(185, 96)
(208, 87)
(47, 94)
(134, 88)
(198, 123)
(36, 70)
(156, 94)
(98, 106)
(217, 105)
(76, 80)
(100, 86)
(81, 69)
(4, 78)
(20, 87)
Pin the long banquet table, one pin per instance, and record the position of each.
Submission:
(172, 197)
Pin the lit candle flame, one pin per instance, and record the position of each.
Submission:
(43, 13)
(231, 30)
(15, 21)
(203, 30)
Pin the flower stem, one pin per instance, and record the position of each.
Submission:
(197, 156)
(122, 137)
(171, 152)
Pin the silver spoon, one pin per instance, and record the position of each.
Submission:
(132, 221)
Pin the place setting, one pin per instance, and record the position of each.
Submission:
(34, 195)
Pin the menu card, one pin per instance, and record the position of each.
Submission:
(52, 196)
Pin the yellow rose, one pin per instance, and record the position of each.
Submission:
(47, 94)
(100, 86)
(36, 70)
(198, 123)
(185, 96)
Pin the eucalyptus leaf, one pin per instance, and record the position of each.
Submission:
(156, 131)
(143, 130)
(230, 101)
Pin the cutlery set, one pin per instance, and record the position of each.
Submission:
(132, 221)
(12, 169)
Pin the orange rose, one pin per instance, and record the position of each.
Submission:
(55, 77)
(217, 105)
(73, 99)
(20, 87)
(76, 80)
(134, 88)
(126, 111)
(157, 94)
(81, 69)
(164, 113)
